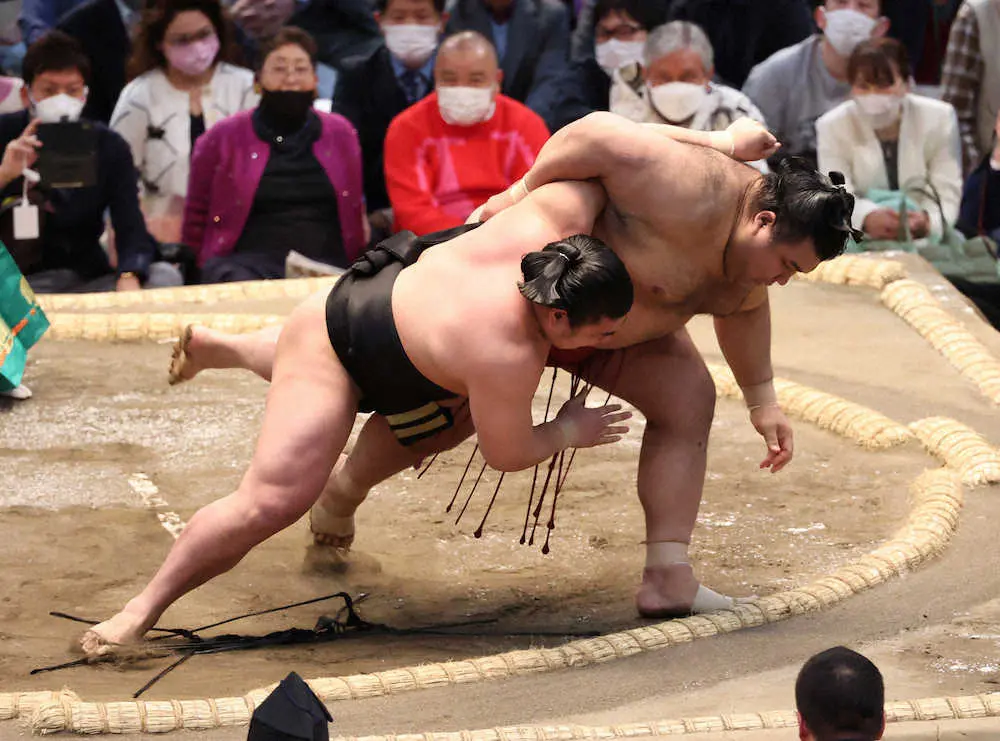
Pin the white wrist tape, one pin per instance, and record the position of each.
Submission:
(723, 141)
(760, 395)
(519, 190)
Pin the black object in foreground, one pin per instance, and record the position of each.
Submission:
(291, 713)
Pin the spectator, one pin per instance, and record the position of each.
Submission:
(675, 85)
(980, 209)
(923, 26)
(372, 91)
(182, 86)
(71, 258)
(531, 38)
(341, 28)
(746, 32)
(103, 29)
(12, 46)
(39, 16)
(839, 694)
(281, 175)
(617, 32)
(884, 138)
(971, 76)
(797, 85)
(458, 146)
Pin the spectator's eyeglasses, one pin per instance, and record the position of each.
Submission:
(290, 73)
(623, 32)
(190, 38)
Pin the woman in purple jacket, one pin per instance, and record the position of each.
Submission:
(282, 176)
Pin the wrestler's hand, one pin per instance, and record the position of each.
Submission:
(585, 427)
(751, 140)
(773, 426)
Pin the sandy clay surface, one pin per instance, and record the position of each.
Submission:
(80, 532)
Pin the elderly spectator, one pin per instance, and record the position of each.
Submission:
(70, 257)
(182, 86)
(797, 85)
(457, 147)
(531, 38)
(885, 138)
(283, 175)
(839, 694)
(103, 29)
(675, 84)
(374, 90)
(617, 30)
(971, 75)
(746, 32)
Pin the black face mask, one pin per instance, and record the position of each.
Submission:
(285, 111)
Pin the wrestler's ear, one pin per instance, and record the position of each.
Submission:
(764, 220)
(804, 734)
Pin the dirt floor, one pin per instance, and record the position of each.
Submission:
(104, 431)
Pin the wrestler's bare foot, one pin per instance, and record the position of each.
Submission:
(123, 630)
(330, 529)
(183, 365)
(673, 591)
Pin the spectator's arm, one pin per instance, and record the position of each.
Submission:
(354, 166)
(834, 152)
(552, 64)
(409, 179)
(944, 170)
(961, 78)
(204, 163)
(136, 248)
(37, 17)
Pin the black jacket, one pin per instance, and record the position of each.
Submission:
(746, 32)
(74, 218)
(582, 89)
(369, 96)
(98, 26)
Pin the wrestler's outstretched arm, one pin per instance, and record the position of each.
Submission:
(745, 340)
(608, 147)
(500, 403)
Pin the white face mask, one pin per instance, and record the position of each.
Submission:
(847, 28)
(413, 44)
(880, 109)
(615, 54)
(677, 101)
(465, 106)
(60, 107)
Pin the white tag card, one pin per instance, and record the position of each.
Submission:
(26, 221)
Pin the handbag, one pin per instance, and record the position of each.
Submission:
(954, 255)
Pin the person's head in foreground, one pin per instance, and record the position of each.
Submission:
(467, 79)
(411, 28)
(793, 219)
(679, 63)
(287, 80)
(840, 697)
(580, 288)
(55, 71)
(621, 28)
(846, 23)
(879, 73)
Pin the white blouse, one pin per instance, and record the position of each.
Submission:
(154, 118)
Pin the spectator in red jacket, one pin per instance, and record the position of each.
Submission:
(458, 146)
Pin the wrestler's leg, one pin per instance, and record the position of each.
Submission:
(668, 382)
(376, 456)
(310, 410)
(201, 348)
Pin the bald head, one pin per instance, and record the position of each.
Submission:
(466, 59)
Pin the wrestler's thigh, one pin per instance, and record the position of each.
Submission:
(311, 406)
(665, 379)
